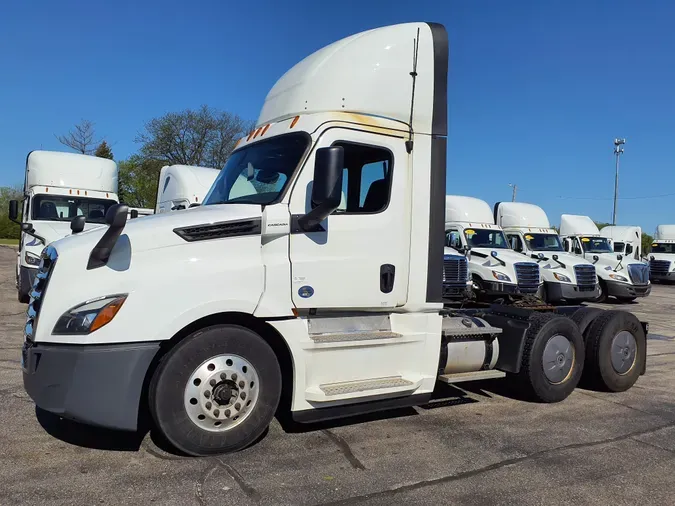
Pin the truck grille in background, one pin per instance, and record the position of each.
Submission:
(639, 273)
(659, 267)
(455, 275)
(586, 277)
(219, 230)
(48, 259)
(527, 275)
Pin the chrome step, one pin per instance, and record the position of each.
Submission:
(350, 387)
(471, 376)
(353, 336)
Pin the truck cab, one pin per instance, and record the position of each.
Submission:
(496, 270)
(621, 277)
(183, 186)
(662, 255)
(625, 240)
(566, 277)
(57, 188)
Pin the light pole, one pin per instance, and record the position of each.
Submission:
(513, 194)
(617, 152)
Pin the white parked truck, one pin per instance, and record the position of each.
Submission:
(566, 277)
(662, 255)
(137, 212)
(621, 277)
(295, 305)
(495, 269)
(625, 240)
(183, 186)
(57, 188)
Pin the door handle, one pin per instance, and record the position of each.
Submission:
(387, 275)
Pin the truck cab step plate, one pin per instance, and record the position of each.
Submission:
(352, 389)
(353, 336)
(471, 376)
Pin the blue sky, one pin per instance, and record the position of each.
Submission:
(537, 89)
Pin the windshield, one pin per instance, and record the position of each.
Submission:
(618, 247)
(259, 173)
(485, 238)
(543, 242)
(663, 248)
(65, 208)
(596, 245)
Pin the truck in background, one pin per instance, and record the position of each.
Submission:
(662, 255)
(137, 212)
(289, 303)
(621, 277)
(495, 269)
(57, 188)
(566, 277)
(183, 186)
(625, 240)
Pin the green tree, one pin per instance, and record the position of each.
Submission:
(205, 136)
(138, 180)
(103, 151)
(8, 229)
(647, 241)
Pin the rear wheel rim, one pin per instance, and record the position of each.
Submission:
(221, 393)
(623, 352)
(558, 359)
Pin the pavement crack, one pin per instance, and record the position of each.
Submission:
(345, 449)
(492, 467)
(653, 445)
(199, 484)
(621, 404)
(248, 489)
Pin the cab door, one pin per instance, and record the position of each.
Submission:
(359, 256)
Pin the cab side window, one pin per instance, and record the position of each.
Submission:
(577, 247)
(516, 243)
(366, 181)
(453, 239)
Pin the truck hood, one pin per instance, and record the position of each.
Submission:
(157, 231)
(568, 259)
(53, 231)
(662, 256)
(507, 255)
(608, 263)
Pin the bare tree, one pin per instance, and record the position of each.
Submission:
(81, 138)
(205, 136)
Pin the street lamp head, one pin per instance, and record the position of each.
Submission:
(618, 142)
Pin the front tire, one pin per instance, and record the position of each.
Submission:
(602, 297)
(216, 391)
(22, 294)
(616, 347)
(553, 358)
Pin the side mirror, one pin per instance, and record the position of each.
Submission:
(116, 217)
(13, 210)
(327, 186)
(619, 257)
(26, 227)
(554, 257)
(134, 213)
(493, 254)
(629, 249)
(77, 224)
(540, 255)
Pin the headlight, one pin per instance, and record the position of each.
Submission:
(500, 276)
(618, 277)
(89, 316)
(561, 277)
(32, 259)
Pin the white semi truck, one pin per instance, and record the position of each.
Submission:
(57, 188)
(621, 277)
(566, 277)
(662, 255)
(183, 186)
(625, 240)
(299, 306)
(496, 270)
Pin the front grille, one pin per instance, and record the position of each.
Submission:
(527, 275)
(47, 262)
(659, 267)
(455, 270)
(586, 277)
(220, 230)
(639, 273)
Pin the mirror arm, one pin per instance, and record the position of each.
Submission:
(310, 222)
(32, 233)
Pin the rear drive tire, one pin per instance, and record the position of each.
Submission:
(553, 357)
(616, 348)
(216, 391)
(583, 318)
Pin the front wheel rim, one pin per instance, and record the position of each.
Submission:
(558, 359)
(221, 393)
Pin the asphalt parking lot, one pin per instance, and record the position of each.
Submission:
(476, 445)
